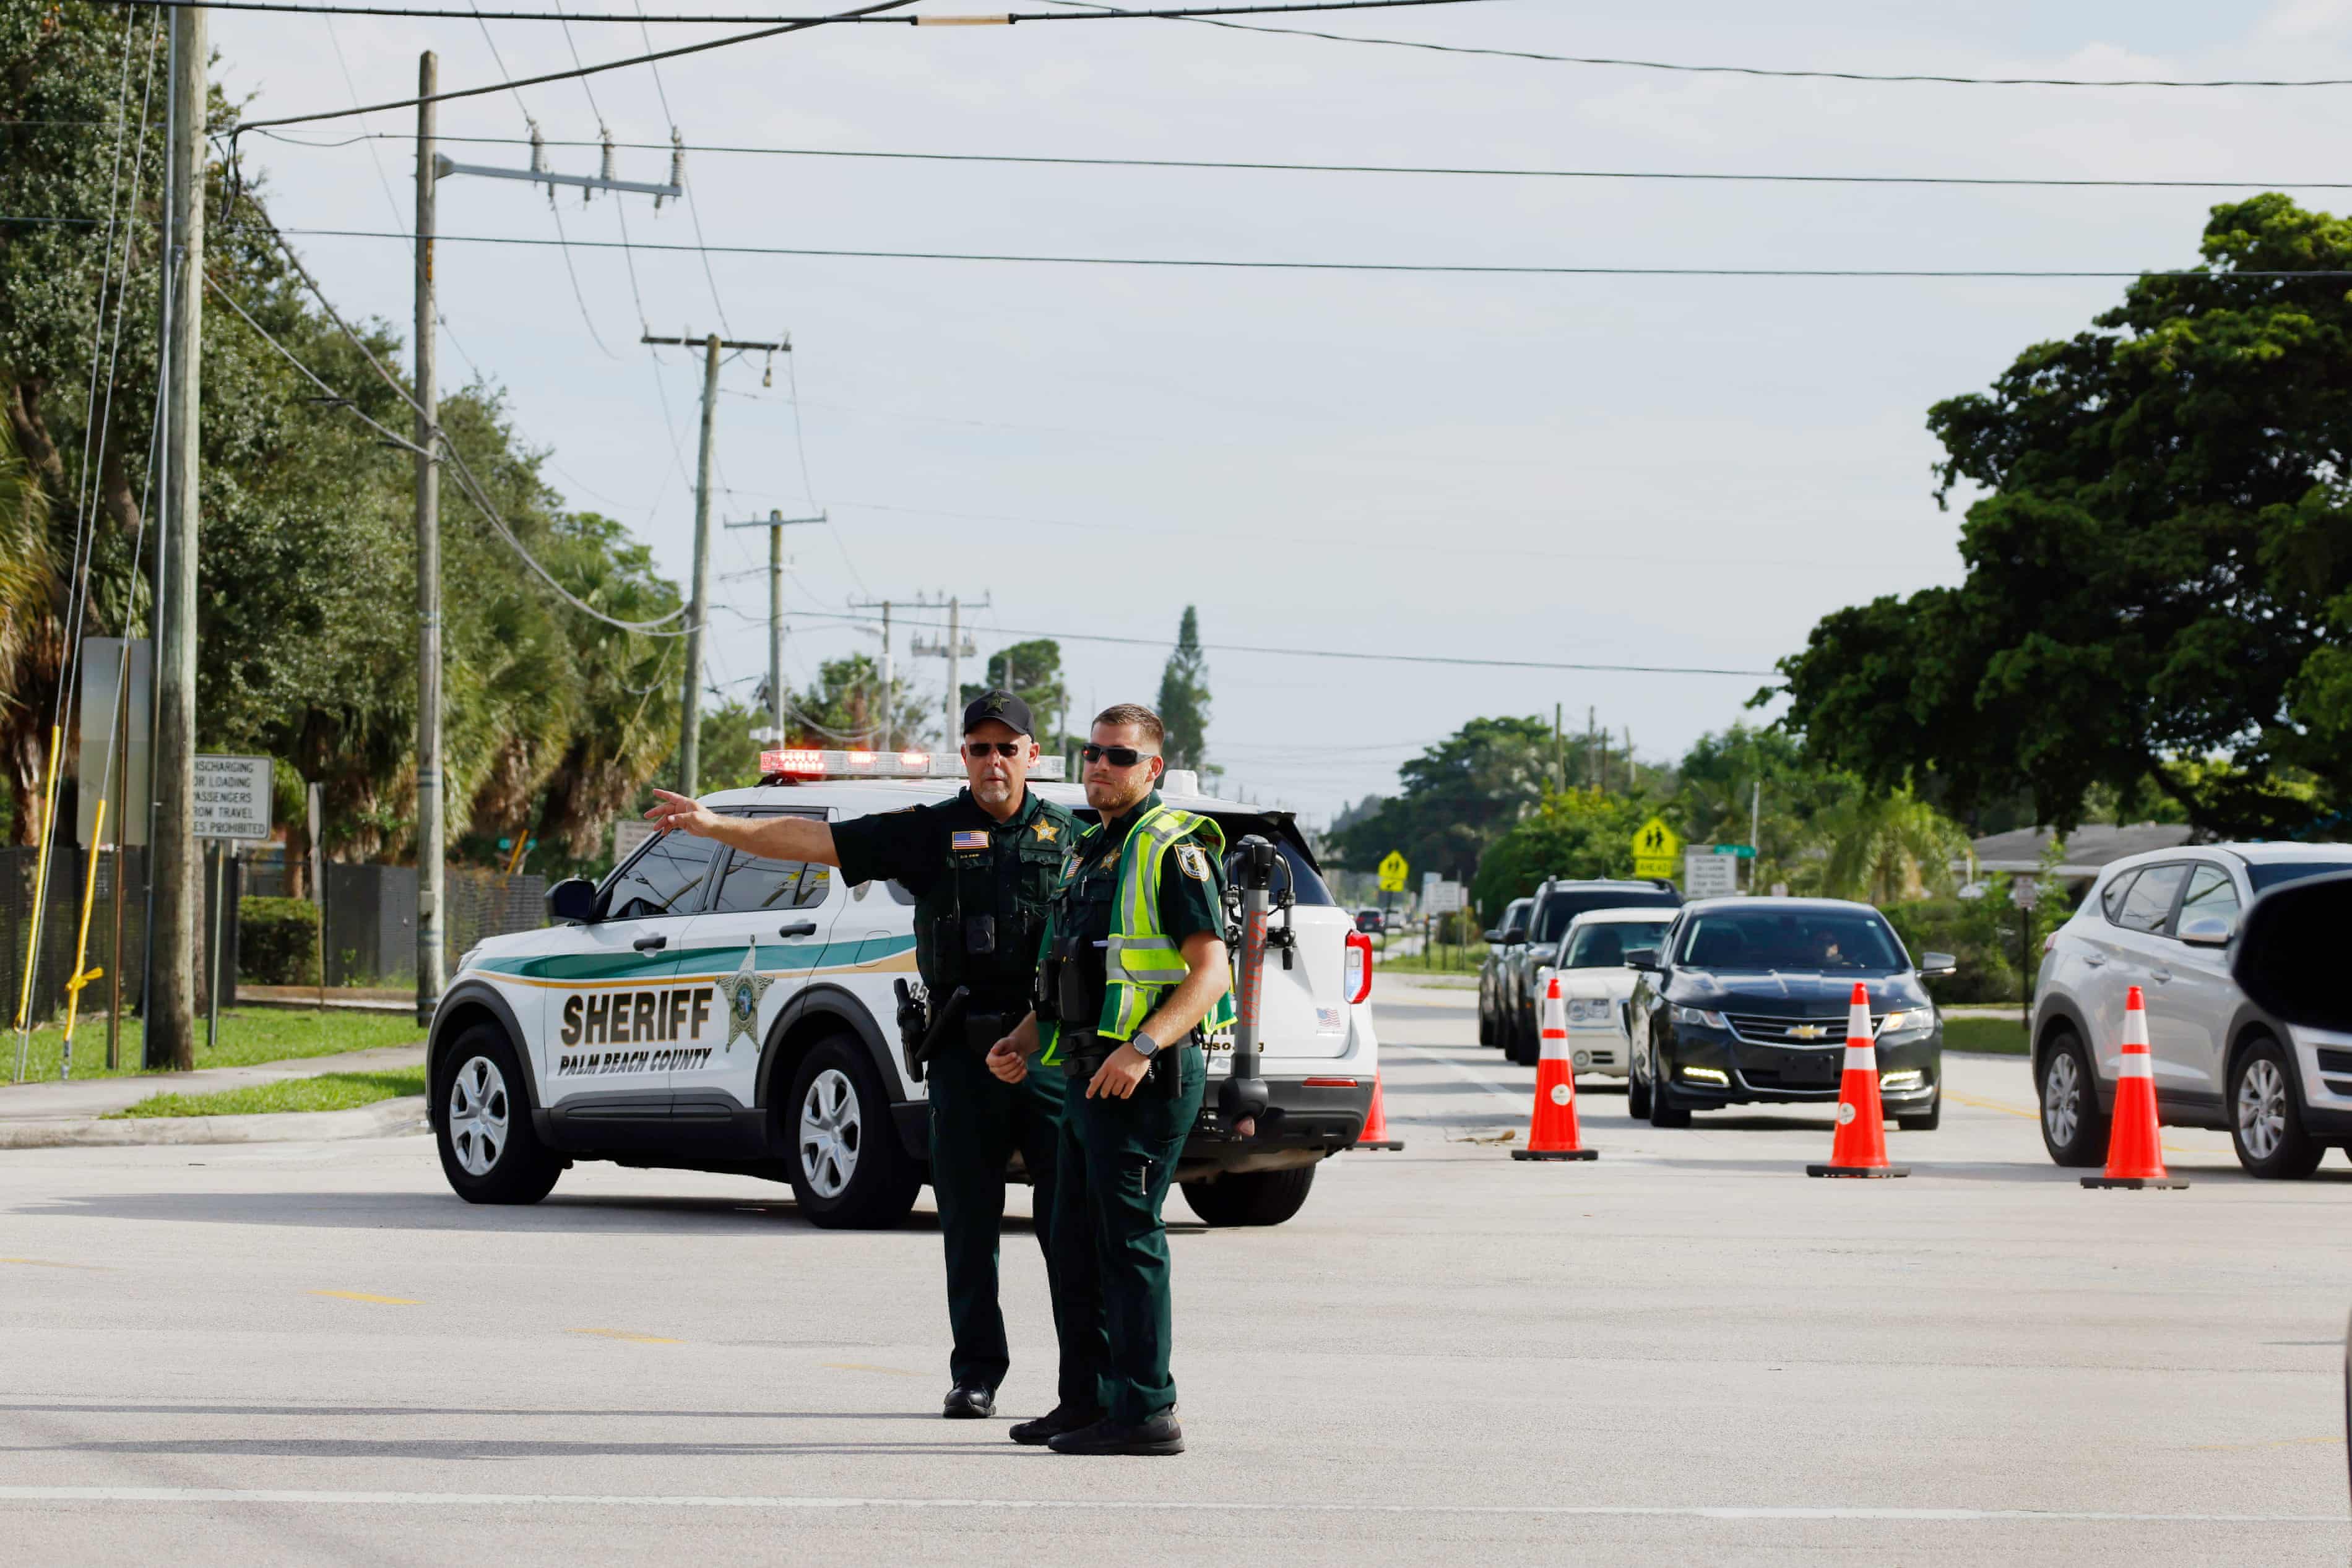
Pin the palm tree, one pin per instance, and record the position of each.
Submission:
(1887, 847)
(31, 643)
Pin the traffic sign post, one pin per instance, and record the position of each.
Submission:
(1657, 849)
(232, 802)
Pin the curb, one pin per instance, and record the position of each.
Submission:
(389, 1118)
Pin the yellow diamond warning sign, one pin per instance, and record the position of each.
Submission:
(1656, 851)
(1392, 872)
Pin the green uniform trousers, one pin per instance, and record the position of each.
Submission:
(1118, 1159)
(976, 1123)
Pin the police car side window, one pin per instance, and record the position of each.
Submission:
(754, 885)
(668, 878)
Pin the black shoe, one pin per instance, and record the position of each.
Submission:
(1060, 1419)
(969, 1402)
(1160, 1435)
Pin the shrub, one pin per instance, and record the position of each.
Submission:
(278, 941)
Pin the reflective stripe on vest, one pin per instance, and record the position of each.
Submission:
(1141, 963)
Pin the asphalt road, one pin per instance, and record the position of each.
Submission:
(1686, 1351)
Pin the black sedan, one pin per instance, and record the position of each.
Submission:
(1746, 1001)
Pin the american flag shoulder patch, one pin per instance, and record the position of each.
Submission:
(973, 840)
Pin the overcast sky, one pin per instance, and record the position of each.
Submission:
(1615, 470)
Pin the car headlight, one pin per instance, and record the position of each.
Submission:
(1912, 1020)
(1693, 1015)
(1589, 1009)
(465, 961)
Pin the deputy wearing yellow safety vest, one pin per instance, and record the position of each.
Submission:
(1132, 985)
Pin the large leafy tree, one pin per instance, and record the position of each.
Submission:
(2160, 580)
(1458, 796)
(1032, 670)
(1574, 834)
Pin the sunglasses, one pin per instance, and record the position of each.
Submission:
(1119, 755)
(999, 748)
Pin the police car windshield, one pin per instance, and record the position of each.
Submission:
(1603, 944)
(1831, 941)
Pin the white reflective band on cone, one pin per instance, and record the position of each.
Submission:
(2135, 1064)
(1555, 1047)
(2135, 1027)
(1861, 1058)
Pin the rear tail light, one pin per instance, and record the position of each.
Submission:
(1356, 976)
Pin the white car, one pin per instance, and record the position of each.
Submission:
(700, 1009)
(1594, 982)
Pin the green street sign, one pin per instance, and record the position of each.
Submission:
(1744, 851)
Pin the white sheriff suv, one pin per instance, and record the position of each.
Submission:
(700, 1009)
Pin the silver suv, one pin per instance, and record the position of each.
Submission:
(2163, 922)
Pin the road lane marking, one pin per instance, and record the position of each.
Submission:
(1737, 1512)
(47, 1263)
(629, 1335)
(364, 1296)
(1518, 1103)
(861, 1367)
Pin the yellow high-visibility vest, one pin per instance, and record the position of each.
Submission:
(1143, 963)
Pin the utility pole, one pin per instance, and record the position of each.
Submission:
(890, 687)
(776, 523)
(689, 718)
(1559, 750)
(431, 870)
(957, 646)
(171, 1031)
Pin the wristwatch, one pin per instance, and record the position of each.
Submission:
(1144, 1045)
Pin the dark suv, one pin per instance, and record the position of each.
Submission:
(1557, 903)
(1746, 1000)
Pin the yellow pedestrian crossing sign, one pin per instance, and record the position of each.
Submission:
(1392, 872)
(1656, 851)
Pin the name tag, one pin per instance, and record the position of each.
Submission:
(974, 839)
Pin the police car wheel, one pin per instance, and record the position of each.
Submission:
(1485, 1024)
(1250, 1198)
(481, 1122)
(842, 1156)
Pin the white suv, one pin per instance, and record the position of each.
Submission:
(705, 1010)
(1594, 983)
(2163, 921)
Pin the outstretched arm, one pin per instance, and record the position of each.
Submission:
(776, 837)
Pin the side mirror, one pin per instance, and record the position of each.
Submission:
(1935, 966)
(1644, 958)
(572, 900)
(2209, 931)
(2288, 941)
(1514, 935)
(1496, 936)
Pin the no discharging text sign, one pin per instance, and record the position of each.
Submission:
(233, 798)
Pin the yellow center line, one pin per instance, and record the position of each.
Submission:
(860, 1367)
(364, 1296)
(629, 1335)
(47, 1263)
(2033, 1117)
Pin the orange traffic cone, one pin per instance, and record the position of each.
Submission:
(1860, 1147)
(2135, 1155)
(1552, 1132)
(1375, 1135)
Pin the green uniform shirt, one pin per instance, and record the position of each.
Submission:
(982, 887)
(1191, 892)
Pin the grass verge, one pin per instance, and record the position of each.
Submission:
(1448, 959)
(2004, 1036)
(327, 1092)
(248, 1035)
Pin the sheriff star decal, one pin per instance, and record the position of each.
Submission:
(743, 989)
(1046, 831)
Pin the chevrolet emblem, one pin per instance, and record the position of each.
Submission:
(1806, 1031)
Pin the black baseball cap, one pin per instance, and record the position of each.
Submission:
(1002, 707)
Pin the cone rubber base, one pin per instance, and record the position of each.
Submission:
(1378, 1143)
(1555, 1154)
(1880, 1172)
(2134, 1183)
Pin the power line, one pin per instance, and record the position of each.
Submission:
(1466, 267)
(1312, 653)
(1798, 75)
(1709, 176)
(976, 19)
(552, 76)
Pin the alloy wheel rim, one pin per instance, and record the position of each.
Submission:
(832, 1132)
(2261, 1108)
(478, 1112)
(2061, 1098)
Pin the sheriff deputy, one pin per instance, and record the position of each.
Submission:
(983, 867)
(1134, 984)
